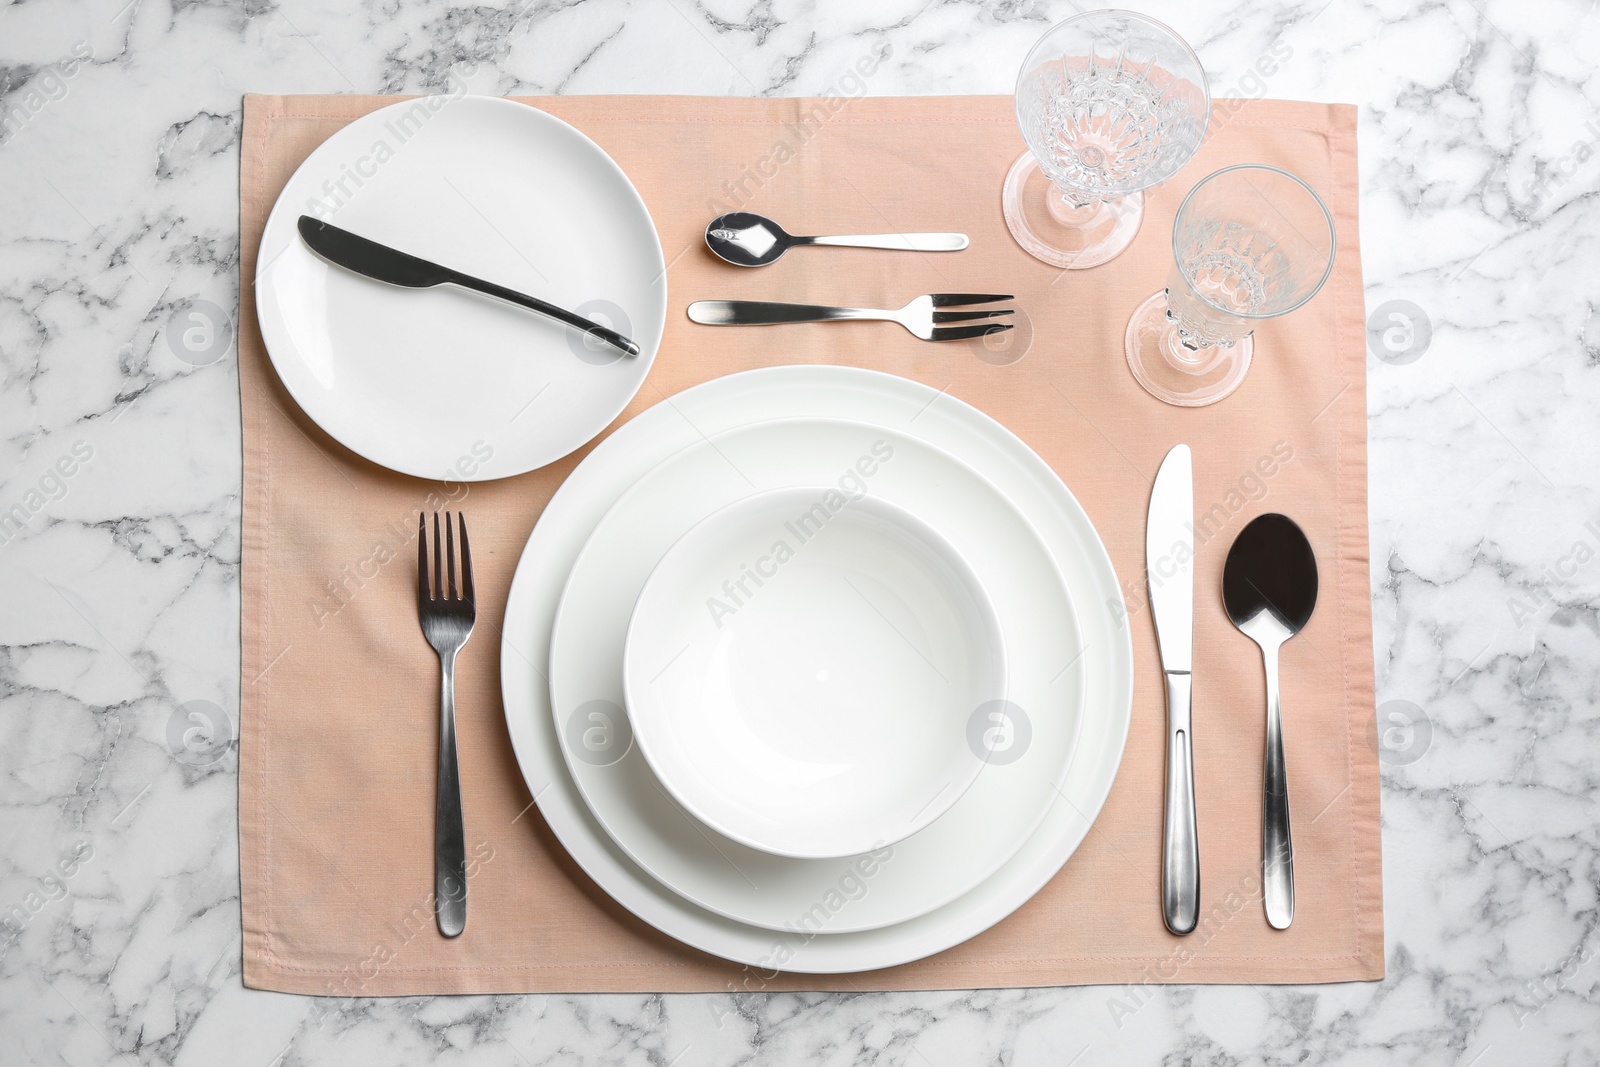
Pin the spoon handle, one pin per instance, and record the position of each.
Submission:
(904, 242)
(1277, 847)
(1180, 844)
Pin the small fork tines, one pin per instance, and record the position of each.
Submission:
(936, 332)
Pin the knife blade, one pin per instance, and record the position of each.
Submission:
(1169, 571)
(370, 259)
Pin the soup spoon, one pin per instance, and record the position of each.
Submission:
(1269, 588)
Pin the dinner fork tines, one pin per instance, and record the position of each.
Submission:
(919, 316)
(447, 614)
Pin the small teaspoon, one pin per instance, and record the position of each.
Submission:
(746, 239)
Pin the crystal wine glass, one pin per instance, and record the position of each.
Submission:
(1250, 243)
(1110, 103)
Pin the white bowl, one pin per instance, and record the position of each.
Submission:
(801, 667)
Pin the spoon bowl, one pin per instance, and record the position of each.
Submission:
(746, 239)
(1269, 589)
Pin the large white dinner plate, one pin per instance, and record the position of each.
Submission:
(790, 392)
(802, 666)
(984, 828)
(443, 383)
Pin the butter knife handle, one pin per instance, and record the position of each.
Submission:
(544, 307)
(1180, 851)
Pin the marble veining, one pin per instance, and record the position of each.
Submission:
(119, 524)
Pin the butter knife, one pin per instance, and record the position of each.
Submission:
(1169, 569)
(382, 263)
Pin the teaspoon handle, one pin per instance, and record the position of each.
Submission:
(904, 242)
(1277, 846)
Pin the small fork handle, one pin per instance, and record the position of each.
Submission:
(763, 313)
(449, 833)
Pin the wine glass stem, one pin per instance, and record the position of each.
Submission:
(1200, 359)
(1076, 210)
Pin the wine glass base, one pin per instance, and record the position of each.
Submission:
(1177, 375)
(1051, 230)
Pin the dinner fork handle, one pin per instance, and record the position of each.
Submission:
(904, 242)
(764, 313)
(449, 835)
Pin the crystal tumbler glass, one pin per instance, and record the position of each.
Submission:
(1249, 243)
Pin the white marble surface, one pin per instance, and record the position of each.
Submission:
(119, 581)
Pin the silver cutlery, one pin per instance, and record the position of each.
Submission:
(447, 613)
(919, 316)
(746, 239)
(1169, 569)
(380, 262)
(1269, 588)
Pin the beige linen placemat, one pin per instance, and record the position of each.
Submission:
(339, 701)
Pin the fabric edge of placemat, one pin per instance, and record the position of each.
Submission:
(262, 971)
(1365, 786)
(257, 971)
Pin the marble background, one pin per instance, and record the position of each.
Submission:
(119, 545)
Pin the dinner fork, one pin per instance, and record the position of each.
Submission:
(919, 316)
(447, 616)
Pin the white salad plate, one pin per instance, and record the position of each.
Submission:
(801, 666)
(1104, 655)
(985, 827)
(441, 382)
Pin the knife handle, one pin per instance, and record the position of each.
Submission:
(1180, 847)
(544, 307)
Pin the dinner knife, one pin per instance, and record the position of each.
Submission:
(1169, 569)
(373, 260)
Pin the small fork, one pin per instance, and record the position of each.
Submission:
(447, 616)
(919, 316)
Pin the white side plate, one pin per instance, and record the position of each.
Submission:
(442, 383)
